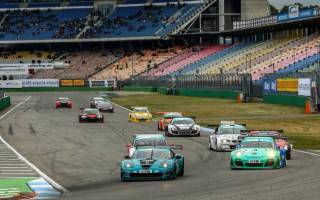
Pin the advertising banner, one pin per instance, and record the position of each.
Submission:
(295, 13)
(287, 85)
(65, 82)
(79, 82)
(270, 86)
(304, 85)
(98, 83)
(13, 70)
(10, 84)
(40, 83)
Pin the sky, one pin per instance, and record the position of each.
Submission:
(280, 3)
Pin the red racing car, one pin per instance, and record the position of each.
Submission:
(166, 119)
(90, 115)
(281, 141)
(63, 102)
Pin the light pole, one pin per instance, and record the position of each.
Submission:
(132, 66)
(318, 55)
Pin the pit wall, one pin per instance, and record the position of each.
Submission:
(5, 102)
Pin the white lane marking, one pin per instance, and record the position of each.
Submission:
(306, 152)
(47, 178)
(122, 107)
(15, 107)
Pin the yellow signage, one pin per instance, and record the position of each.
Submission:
(66, 82)
(78, 82)
(287, 85)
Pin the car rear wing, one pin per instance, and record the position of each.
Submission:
(176, 146)
(265, 130)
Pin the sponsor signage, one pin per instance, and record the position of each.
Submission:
(79, 83)
(270, 86)
(13, 70)
(40, 83)
(304, 87)
(101, 83)
(287, 85)
(295, 13)
(65, 82)
(10, 84)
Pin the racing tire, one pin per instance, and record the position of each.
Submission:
(288, 155)
(181, 173)
(112, 111)
(174, 174)
(102, 120)
(80, 120)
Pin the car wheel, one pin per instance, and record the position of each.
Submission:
(288, 155)
(210, 147)
(102, 120)
(112, 111)
(182, 169)
(122, 179)
(174, 174)
(80, 120)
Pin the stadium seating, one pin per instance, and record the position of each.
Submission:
(30, 25)
(136, 63)
(81, 65)
(27, 57)
(139, 20)
(184, 59)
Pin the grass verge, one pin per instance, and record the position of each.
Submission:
(302, 130)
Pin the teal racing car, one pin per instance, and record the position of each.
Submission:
(258, 153)
(152, 163)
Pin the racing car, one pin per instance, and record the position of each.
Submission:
(166, 119)
(90, 115)
(63, 102)
(145, 140)
(95, 100)
(183, 126)
(140, 114)
(147, 163)
(105, 106)
(255, 152)
(225, 136)
(281, 141)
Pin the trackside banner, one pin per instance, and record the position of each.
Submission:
(287, 85)
(40, 83)
(102, 83)
(304, 85)
(11, 84)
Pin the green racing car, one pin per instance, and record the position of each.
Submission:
(258, 153)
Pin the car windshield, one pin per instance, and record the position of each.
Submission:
(98, 99)
(140, 110)
(231, 130)
(90, 111)
(183, 121)
(155, 154)
(170, 116)
(63, 99)
(150, 142)
(257, 144)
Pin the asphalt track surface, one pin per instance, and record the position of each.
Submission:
(84, 158)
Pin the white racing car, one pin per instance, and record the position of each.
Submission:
(182, 126)
(225, 136)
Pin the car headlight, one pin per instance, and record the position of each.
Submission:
(195, 128)
(83, 116)
(173, 129)
(164, 164)
(238, 154)
(223, 140)
(99, 116)
(271, 154)
(128, 165)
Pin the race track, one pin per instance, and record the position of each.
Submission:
(84, 158)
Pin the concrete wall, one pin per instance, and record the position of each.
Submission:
(254, 9)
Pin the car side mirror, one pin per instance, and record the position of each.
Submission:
(178, 157)
(127, 157)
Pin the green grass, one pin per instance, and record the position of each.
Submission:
(8, 186)
(303, 130)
